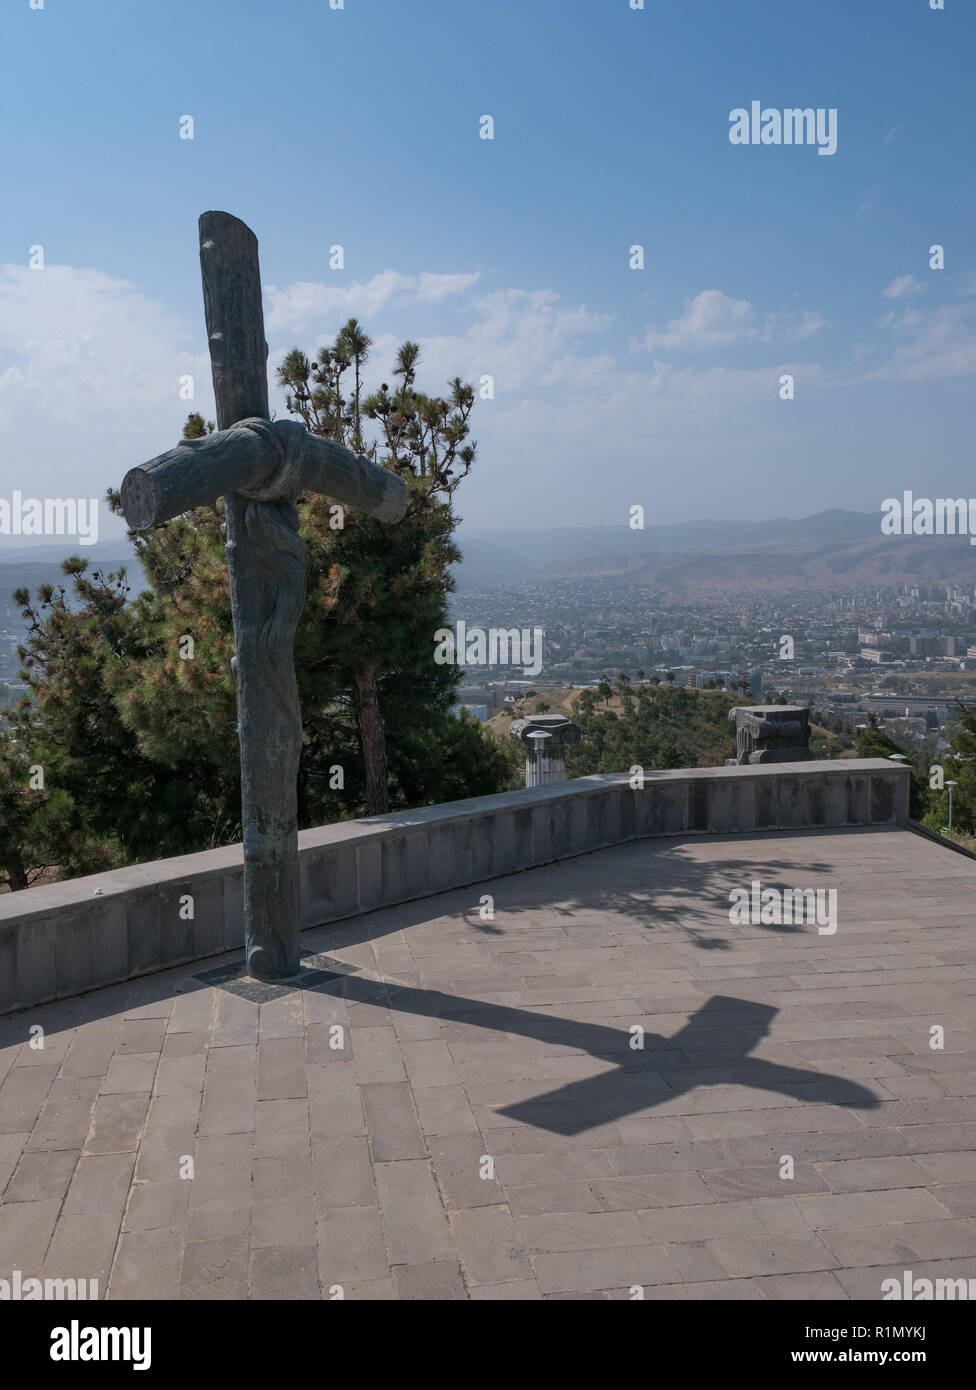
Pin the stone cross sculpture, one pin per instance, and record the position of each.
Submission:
(260, 467)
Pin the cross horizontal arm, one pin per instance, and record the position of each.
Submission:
(264, 461)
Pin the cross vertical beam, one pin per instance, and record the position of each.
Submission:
(260, 468)
(266, 558)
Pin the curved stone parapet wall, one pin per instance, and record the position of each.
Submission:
(65, 938)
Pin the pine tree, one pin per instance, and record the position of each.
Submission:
(382, 591)
(104, 802)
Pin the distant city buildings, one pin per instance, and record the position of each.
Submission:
(476, 711)
(830, 649)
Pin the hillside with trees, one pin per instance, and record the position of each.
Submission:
(652, 724)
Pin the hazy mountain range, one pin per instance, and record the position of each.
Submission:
(29, 566)
(831, 549)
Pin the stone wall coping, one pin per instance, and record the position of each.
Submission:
(39, 902)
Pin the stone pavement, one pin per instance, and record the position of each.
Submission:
(451, 1106)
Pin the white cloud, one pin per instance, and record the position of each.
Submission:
(790, 328)
(891, 134)
(939, 344)
(902, 287)
(86, 344)
(93, 367)
(711, 319)
(809, 324)
(309, 305)
(91, 381)
(516, 336)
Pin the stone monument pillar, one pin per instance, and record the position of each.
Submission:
(770, 734)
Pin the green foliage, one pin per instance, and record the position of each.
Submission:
(27, 818)
(872, 742)
(958, 767)
(102, 802)
(659, 726)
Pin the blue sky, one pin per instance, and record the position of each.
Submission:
(509, 257)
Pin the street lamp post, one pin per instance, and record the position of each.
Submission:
(949, 787)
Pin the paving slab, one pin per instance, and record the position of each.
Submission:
(616, 1093)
